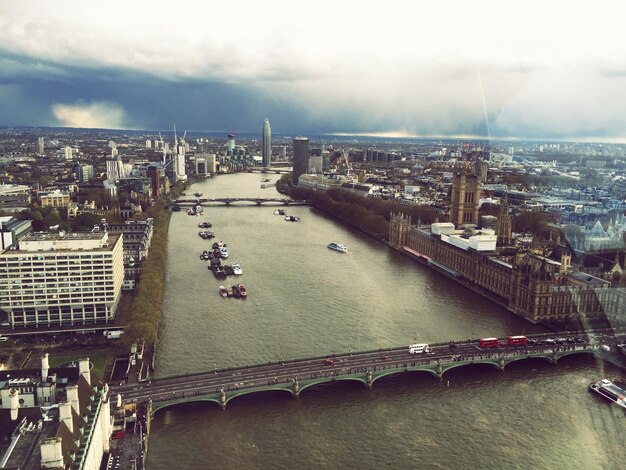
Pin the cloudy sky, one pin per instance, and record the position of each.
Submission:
(534, 69)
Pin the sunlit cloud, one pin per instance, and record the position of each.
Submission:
(90, 115)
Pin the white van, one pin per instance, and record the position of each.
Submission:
(419, 348)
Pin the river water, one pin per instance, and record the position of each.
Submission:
(303, 300)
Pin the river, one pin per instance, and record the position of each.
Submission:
(305, 300)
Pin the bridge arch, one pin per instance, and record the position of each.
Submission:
(331, 380)
(448, 367)
(562, 354)
(158, 406)
(231, 396)
(403, 371)
(510, 360)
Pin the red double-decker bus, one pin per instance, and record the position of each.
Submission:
(517, 340)
(489, 342)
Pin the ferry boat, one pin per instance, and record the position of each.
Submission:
(610, 391)
(337, 247)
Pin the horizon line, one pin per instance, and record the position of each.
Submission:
(615, 140)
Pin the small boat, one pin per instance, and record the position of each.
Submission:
(228, 269)
(223, 291)
(237, 271)
(610, 391)
(205, 225)
(218, 272)
(215, 246)
(236, 293)
(338, 247)
(229, 292)
(280, 212)
(242, 290)
(204, 255)
(265, 180)
(292, 218)
(224, 251)
(197, 194)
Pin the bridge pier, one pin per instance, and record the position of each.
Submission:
(369, 379)
(501, 363)
(222, 399)
(554, 358)
(439, 370)
(295, 389)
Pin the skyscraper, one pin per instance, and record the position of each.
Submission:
(300, 157)
(41, 145)
(267, 143)
(231, 144)
(68, 153)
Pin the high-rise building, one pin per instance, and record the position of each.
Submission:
(465, 197)
(267, 143)
(41, 145)
(153, 173)
(68, 153)
(179, 164)
(231, 144)
(148, 143)
(84, 173)
(300, 157)
(115, 169)
(63, 279)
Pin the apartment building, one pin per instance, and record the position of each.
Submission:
(62, 279)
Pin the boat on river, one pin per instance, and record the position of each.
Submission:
(242, 290)
(237, 271)
(280, 212)
(223, 291)
(338, 247)
(224, 251)
(610, 391)
(292, 218)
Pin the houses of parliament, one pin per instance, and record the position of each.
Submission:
(540, 284)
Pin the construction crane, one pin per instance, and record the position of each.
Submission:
(344, 153)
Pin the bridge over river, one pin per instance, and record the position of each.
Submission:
(294, 376)
(229, 201)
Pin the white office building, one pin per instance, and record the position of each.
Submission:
(62, 279)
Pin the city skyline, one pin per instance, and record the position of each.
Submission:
(483, 71)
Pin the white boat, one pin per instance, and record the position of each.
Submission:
(224, 251)
(237, 271)
(609, 390)
(337, 247)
